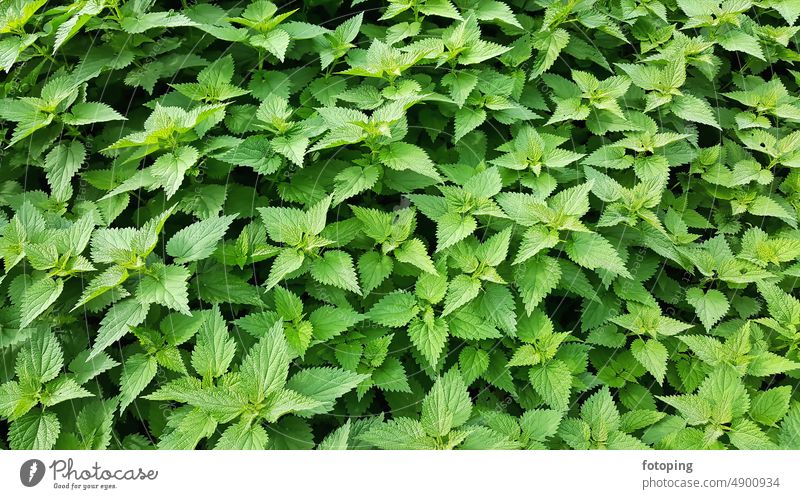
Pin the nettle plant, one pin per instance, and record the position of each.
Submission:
(417, 224)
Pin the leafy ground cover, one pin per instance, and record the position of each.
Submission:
(414, 224)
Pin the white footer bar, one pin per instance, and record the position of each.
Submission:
(384, 474)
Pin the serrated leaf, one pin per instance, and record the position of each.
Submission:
(594, 251)
(137, 372)
(394, 310)
(652, 354)
(38, 297)
(429, 337)
(35, 431)
(336, 268)
(553, 382)
(198, 240)
(710, 306)
(695, 109)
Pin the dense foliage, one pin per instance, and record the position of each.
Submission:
(414, 224)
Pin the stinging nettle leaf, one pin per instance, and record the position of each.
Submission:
(198, 240)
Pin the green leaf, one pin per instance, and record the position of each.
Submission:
(467, 119)
(198, 241)
(789, 436)
(287, 261)
(402, 156)
(391, 376)
(446, 406)
(323, 384)
(61, 164)
(540, 424)
(16, 400)
(738, 40)
(38, 297)
(166, 285)
(354, 180)
(710, 306)
(215, 347)
(283, 402)
(601, 413)
(117, 322)
(746, 435)
(142, 22)
(373, 269)
(266, 367)
(537, 278)
(394, 310)
(170, 168)
(461, 290)
(413, 251)
(492, 10)
(461, 84)
(35, 431)
(223, 403)
(695, 109)
(534, 240)
(275, 42)
(769, 407)
(338, 439)
(550, 44)
(481, 51)
(452, 228)
(553, 382)
(63, 389)
(137, 372)
(336, 268)
(768, 363)
(243, 435)
(107, 280)
(329, 322)
(472, 362)
(429, 336)
(85, 113)
(292, 147)
(85, 369)
(399, 434)
(593, 251)
(653, 355)
(726, 394)
(95, 424)
(40, 360)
